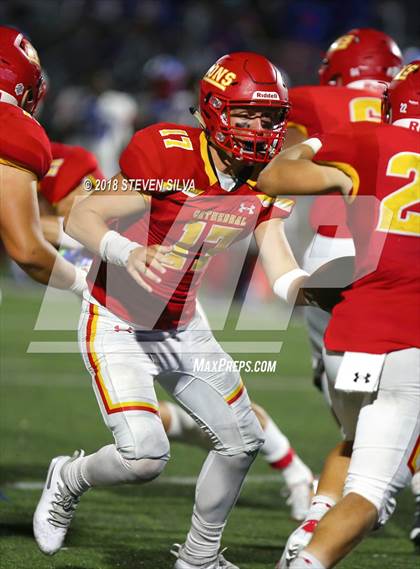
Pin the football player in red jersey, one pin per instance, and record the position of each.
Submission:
(25, 156)
(71, 169)
(353, 74)
(63, 183)
(356, 68)
(191, 197)
(372, 343)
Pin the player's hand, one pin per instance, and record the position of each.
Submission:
(146, 264)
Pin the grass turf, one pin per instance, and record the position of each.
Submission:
(47, 407)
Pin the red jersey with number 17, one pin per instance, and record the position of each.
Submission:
(190, 211)
(380, 312)
(319, 109)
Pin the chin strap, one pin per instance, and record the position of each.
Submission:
(197, 115)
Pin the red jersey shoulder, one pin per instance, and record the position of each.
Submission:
(317, 109)
(23, 140)
(161, 151)
(363, 151)
(69, 166)
(343, 145)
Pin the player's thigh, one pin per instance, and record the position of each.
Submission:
(123, 381)
(386, 446)
(317, 321)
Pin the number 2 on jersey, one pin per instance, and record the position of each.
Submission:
(394, 214)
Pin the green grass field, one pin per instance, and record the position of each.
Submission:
(47, 407)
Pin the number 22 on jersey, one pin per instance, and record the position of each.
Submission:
(394, 214)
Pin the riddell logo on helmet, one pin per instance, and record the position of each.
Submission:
(266, 95)
(219, 76)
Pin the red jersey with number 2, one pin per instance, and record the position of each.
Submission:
(190, 211)
(320, 109)
(380, 313)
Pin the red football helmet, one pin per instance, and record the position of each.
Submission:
(402, 98)
(244, 80)
(361, 55)
(21, 81)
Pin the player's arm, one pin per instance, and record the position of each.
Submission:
(293, 136)
(87, 223)
(280, 266)
(292, 172)
(22, 235)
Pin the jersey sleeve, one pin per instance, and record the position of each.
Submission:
(69, 166)
(271, 208)
(23, 142)
(303, 114)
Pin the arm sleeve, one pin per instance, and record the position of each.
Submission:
(271, 208)
(339, 149)
(68, 172)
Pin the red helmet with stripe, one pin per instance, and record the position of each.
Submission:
(21, 81)
(401, 102)
(244, 80)
(361, 55)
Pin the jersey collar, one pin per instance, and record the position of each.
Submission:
(208, 167)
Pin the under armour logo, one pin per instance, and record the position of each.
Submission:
(366, 377)
(117, 328)
(249, 208)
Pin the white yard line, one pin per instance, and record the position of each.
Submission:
(165, 480)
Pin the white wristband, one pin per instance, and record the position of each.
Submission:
(115, 248)
(313, 143)
(79, 284)
(282, 285)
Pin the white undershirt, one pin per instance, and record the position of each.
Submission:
(226, 181)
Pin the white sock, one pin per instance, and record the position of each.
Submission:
(203, 540)
(72, 475)
(320, 505)
(276, 447)
(107, 467)
(306, 560)
(415, 484)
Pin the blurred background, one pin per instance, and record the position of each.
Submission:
(114, 66)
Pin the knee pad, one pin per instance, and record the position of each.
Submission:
(144, 469)
(142, 437)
